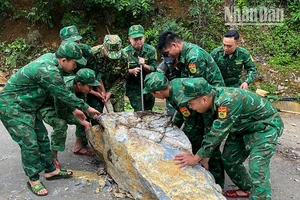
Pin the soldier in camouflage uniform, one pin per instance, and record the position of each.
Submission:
(139, 54)
(112, 64)
(159, 86)
(231, 59)
(70, 33)
(189, 61)
(23, 95)
(58, 115)
(252, 125)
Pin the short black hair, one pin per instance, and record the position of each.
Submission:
(166, 38)
(232, 33)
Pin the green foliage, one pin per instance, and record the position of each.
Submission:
(15, 53)
(5, 5)
(42, 11)
(86, 27)
(18, 53)
(128, 107)
(166, 23)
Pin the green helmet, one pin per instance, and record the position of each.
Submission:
(112, 46)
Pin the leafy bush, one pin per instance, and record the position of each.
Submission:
(5, 5)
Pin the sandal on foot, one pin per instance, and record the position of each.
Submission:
(56, 163)
(62, 174)
(234, 194)
(37, 188)
(87, 153)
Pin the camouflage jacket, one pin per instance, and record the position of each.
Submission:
(175, 99)
(62, 110)
(149, 53)
(114, 72)
(232, 67)
(196, 62)
(237, 111)
(27, 90)
(88, 55)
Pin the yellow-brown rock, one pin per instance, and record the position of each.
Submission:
(138, 149)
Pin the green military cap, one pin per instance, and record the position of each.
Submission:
(112, 44)
(155, 81)
(136, 31)
(71, 50)
(87, 76)
(194, 88)
(70, 33)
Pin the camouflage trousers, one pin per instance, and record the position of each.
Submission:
(135, 98)
(59, 123)
(194, 130)
(260, 146)
(34, 144)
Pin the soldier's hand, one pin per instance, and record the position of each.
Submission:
(186, 160)
(141, 61)
(86, 125)
(244, 86)
(107, 96)
(134, 71)
(92, 112)
(79, 115)
(204, 163)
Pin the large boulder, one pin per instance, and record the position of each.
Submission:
(138, 149)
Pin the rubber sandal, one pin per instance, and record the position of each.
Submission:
(87, 153)
(234, 194)
(56, 163)
(62, 174)
(36, 188)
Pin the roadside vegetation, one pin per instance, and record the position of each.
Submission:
(198, 21)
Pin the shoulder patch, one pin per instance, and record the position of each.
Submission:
(185, 112)
(192, 68)
(222, 112)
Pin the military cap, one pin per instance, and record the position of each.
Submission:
(70, 33)
(136, 31)
(112, 44)
(155, 81)
(71, 50)
(87, 76)
(194, 88)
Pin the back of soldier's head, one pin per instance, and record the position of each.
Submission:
(166, 38)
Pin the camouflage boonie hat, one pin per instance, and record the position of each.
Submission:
(70, 33)
(112, 46)
(155, 81)
(71, 50)
(194, 88)
(136, 31)
(87, 76)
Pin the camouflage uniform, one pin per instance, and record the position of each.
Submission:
(112, 64)
(58, 115)
(70, 33)
(133, 83)
(194, 128)
(253, 126)
(22, 96)
(232, 66)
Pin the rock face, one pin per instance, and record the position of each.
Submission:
(138, 149)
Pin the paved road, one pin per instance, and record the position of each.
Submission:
(84, 185)
(285, 170)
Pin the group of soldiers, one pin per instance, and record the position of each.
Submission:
(206, 91)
